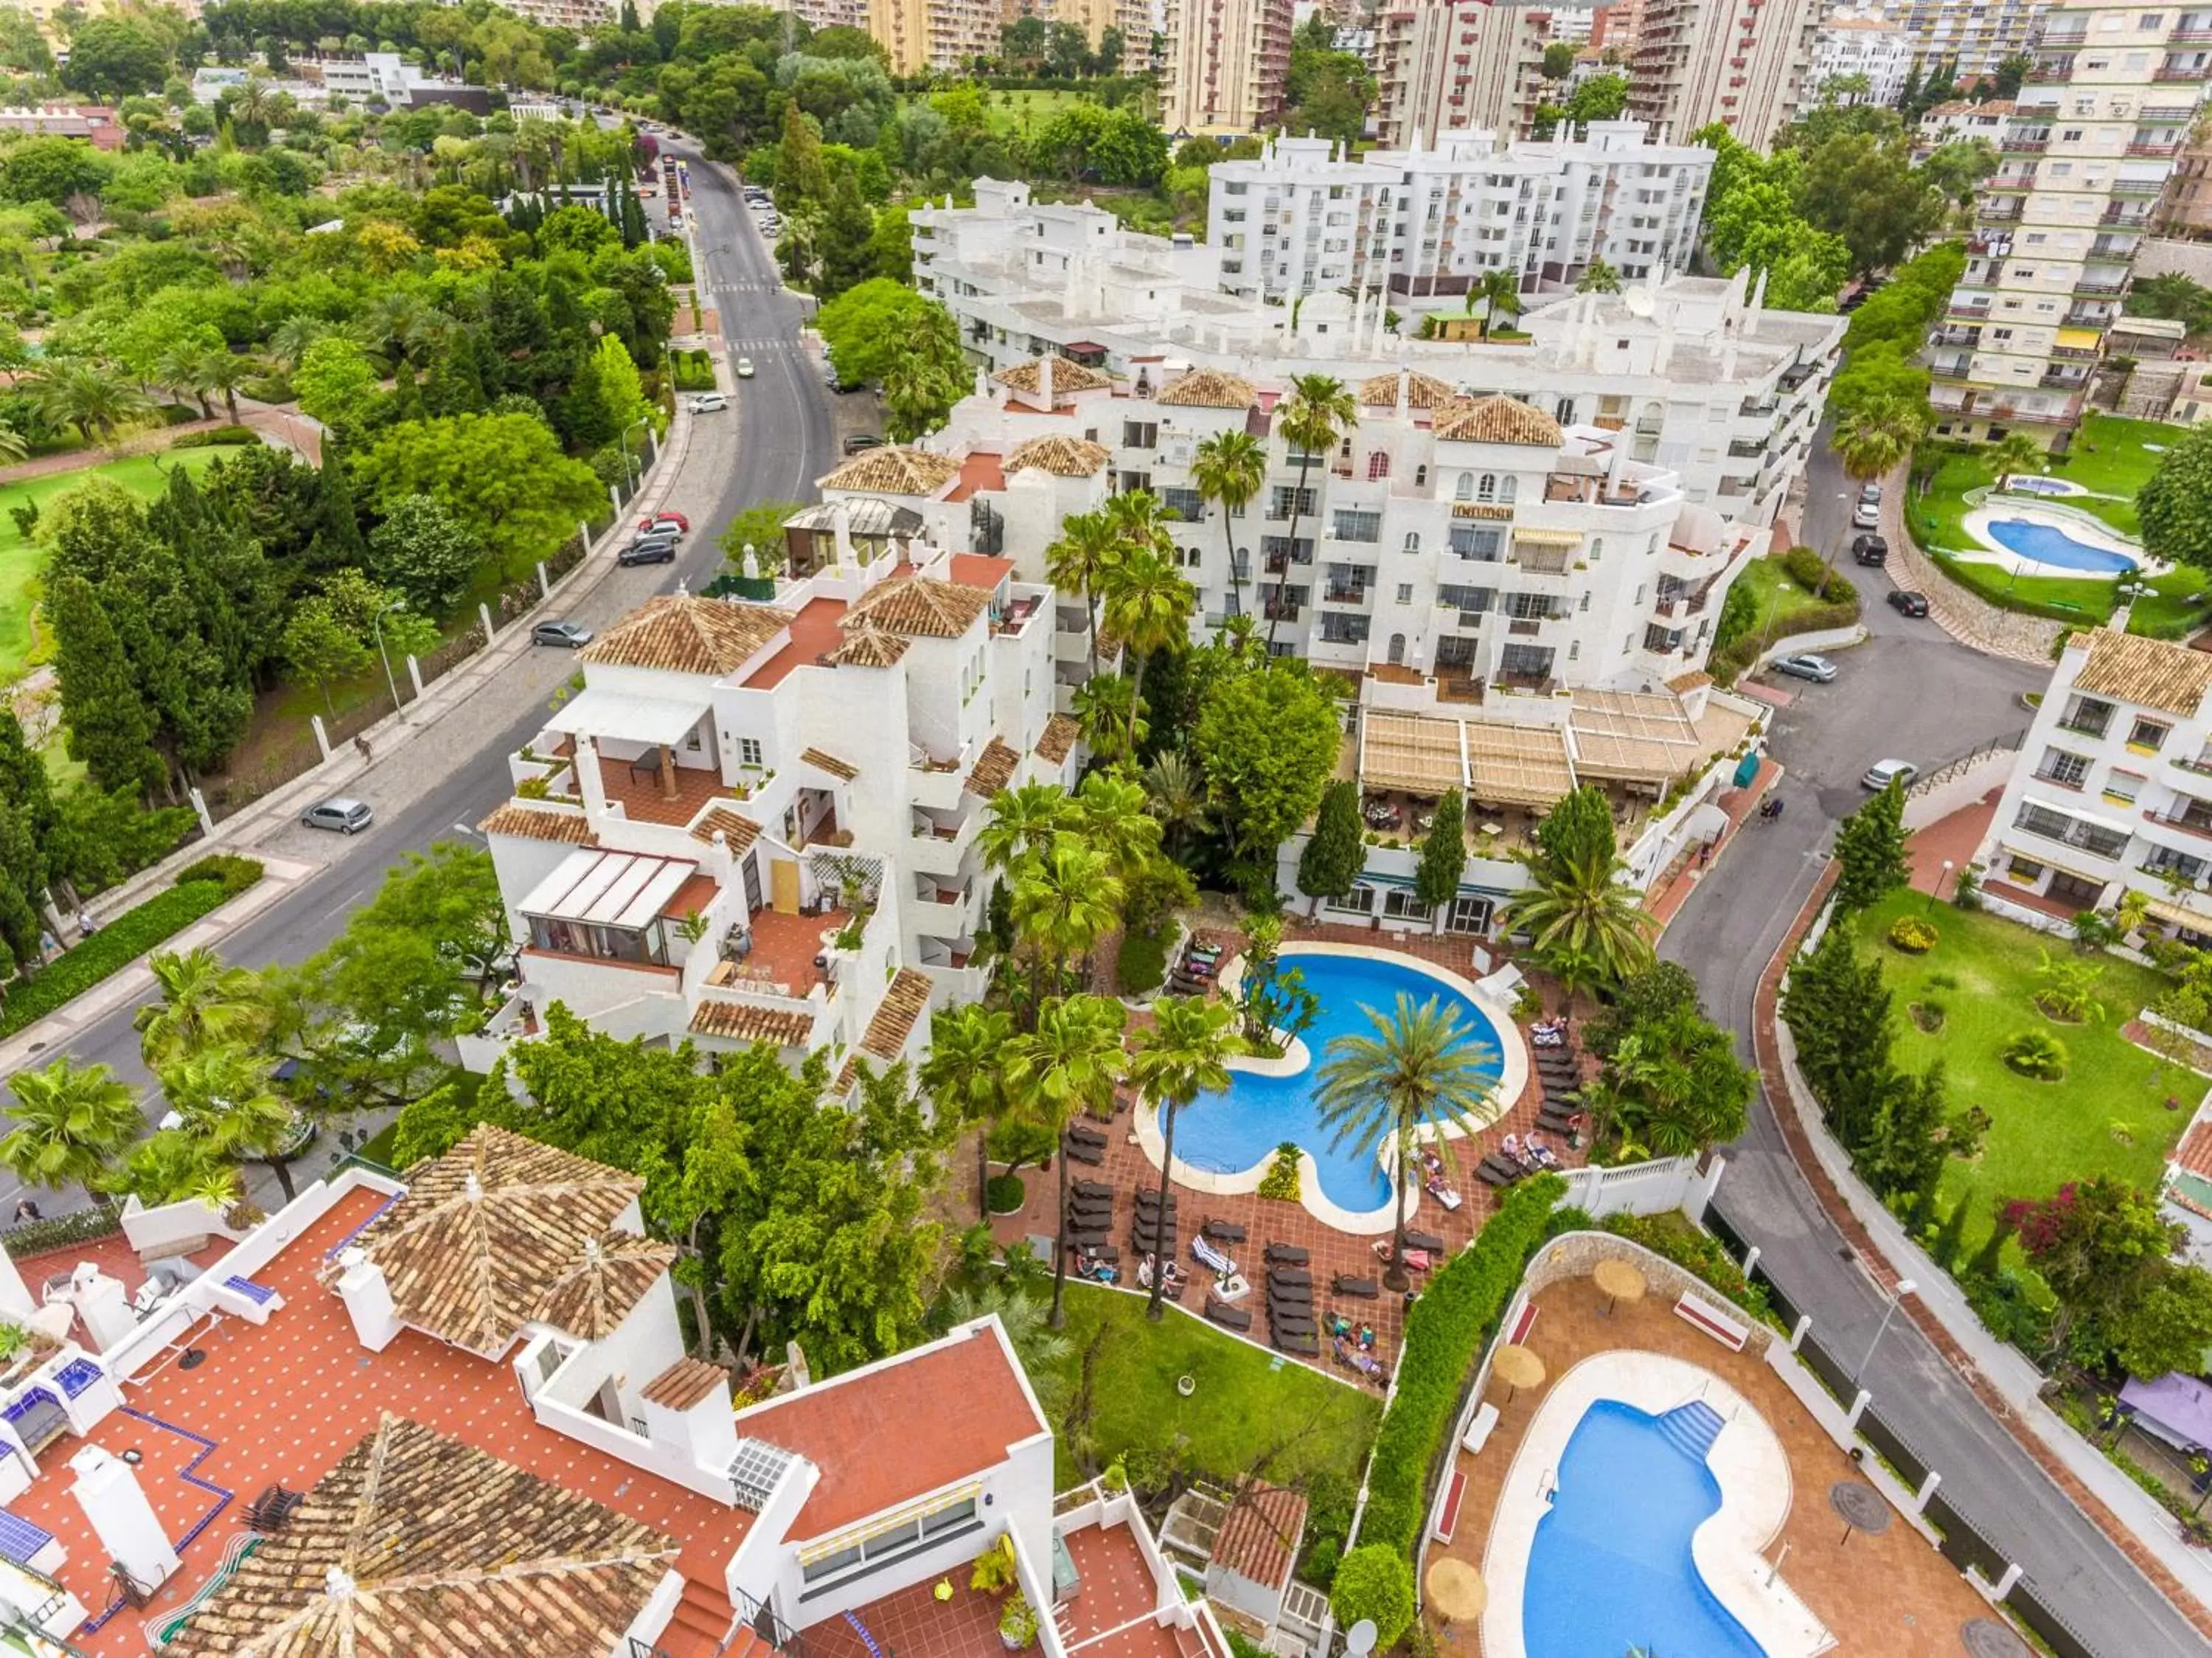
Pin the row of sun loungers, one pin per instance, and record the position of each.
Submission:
(1291, 1325)
(1194, 971)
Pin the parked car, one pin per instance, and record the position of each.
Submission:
(1806, 665)
(709, 403)
(1882, 773)
(1907, 602)
(660, 551)
(674, 520)
(745, 367)
(1869, 549)
(1870, 492)
(345, 815)
(860, 441)
(567, 636)
(1867, 515)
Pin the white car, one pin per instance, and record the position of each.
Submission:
(710, 403)
(1882, 773)
(1867, 515)
(744, 367)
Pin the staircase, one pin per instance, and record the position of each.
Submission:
(702, 1617)
(1691, 1428)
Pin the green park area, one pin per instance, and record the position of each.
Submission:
(20, 560)
(2113, 1109)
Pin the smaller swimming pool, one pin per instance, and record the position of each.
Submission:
(2046, 543)
(2032, 484)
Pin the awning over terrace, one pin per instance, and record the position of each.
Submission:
(657, 721)
(608, 889)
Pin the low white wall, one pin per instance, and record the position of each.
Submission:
(1819, 638)
(1956, 793)
(172, 1229)
(1650, 1188)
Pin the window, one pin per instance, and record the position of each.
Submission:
(749, 751)
(1341, 628)
(2091, 837)
(1357, 526)
(1285, 500)
(1413, 543)
(1420, 478)
(1486, 488)
(2165, 861)
(2123, 786)
(1597, 548)
(1468, 602)
(1399, 903)
(1485, 546)
(1183, 502)
(1465, 491)
(1378, 464)
(1405, 593)
(2148, 733)
(2086, 716)
(2066, 771)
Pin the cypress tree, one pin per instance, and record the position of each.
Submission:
(1870, 852)
(111, 728)
(336, 542)
(1443, 853)
(1333, 859)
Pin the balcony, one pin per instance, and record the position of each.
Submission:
(2198, 824)
(2088, 288)
(2126, 218)
(1998, 213)
(2025, 144)
(1345, 594)
(2063, 380)
(780, 955)
(2077, 353)
(2171, 72)
(2141, 148)
(2059, 780)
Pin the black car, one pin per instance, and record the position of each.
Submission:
(861, 442)
(1907, 602)
(1869, 549)
(648, 550)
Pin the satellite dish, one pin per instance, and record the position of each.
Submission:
(1359, 1639)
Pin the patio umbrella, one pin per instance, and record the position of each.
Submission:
(1517, 1368)
(1618, 1280)
(1457, 1592)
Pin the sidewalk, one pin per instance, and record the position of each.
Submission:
(1666, 899)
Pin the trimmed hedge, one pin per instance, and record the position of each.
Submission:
(1445, 1333)
(1141, 963)
(218, 437)
(103, 1219)
(127, 937)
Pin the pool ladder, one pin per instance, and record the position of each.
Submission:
(1548, 1488)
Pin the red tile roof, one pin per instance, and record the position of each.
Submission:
(976, 570)
(1261, 1535)
(954, 1412)
(2194, 1154)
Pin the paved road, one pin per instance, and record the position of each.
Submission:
(1910, 692)
(776, 444)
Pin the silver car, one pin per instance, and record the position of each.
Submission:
(345, 815)
(1807, 666)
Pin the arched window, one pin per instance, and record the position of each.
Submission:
(1508, 487)
(1597, 548)
(1412, 541)
(1487, 489)
(1397, 649)
(1378, 464)
(1465, 490)
(1420, 478)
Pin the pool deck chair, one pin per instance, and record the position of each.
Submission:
(1448, 1520)
(1724, 1327)
(1228, 1317)
(1505, 984)
(1479, 1431)
(1523, 1325)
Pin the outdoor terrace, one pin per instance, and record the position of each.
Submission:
(668, 795)
(781, 962)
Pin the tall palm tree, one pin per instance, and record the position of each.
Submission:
(1109, 814)
(1180, 1055)
(1148, 603)
(1229, 469)
(223, 1094)
(1069, 1064)
(1877, 437)
(72, 1122)
(89, 396)
(224, 370)
(966, 1075)
(1422, 1071)
(1501, 292)
(1319, 410)
(1579, 903)
(1177, 797)
(182, 369)
(2015, 452)
(1019, 824)
(1079, 561)
(1064, 904)
(1112, 721)
(204, 1002)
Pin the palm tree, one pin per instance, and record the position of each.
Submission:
(1501, 291)
(289, 340)
(1878, 437)
(966, 1075)
(14, 445)
(1088, 548)
(183, 369)
(1064, 904)
(1180, 1055)
(1148, 603)
(205, 1004)
(1070, 1064)
(1420, 1072)
(1579, 903)
(2015, 452)
(1112, 723)
(89, 396)
(1109, 814)
(1019, 824)
(225, 371)
(1229, 469)
(72, 1121)
(1177, 797)
(223, 1094)
(1320, 410)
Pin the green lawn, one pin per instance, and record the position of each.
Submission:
(1779, 598)
(21, 561)
(1019, 114)
(1247, 1403)
(2108, 1115)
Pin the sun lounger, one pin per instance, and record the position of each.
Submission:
(1092, 1189)
(1287, 1255)
(1226, 1232)
(1149, 1198)
(1427, 1240)
(1212, 1258)
(1149, 1240)
(1087, 1133)
(1089, 1238)
(1292, 1276)
(1295, 1312)
(1301, 1294)
(1103, 1253)
(1281, 1327)
(1305, 1344)
(1496, 1170)
(1417, 1260)
(1228, 1317)
(1077, 1153)
(1359, 1289)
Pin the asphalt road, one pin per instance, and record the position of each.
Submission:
(1909, 693)
(783, 442)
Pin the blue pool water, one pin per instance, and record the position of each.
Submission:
(1240, 1129)
(2033, 486)
(1611, 1567)
(2055, 547)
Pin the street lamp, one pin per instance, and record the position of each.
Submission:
(1904, 1287)
(1935, 891)
(628, 474)
(376, 628)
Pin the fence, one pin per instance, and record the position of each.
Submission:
(1959, 783)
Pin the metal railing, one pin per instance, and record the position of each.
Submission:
(2008, 744)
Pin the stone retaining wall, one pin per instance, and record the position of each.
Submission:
(1965, 615)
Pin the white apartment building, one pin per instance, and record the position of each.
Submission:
(1299, 220)
(1228, 65)
(943, 36)
(1970, 38)
(1741, 63)
(2086, 152)
(1958, 120)
(756, 822)
(2112, 789)
(1862, 45)
(1456, 65)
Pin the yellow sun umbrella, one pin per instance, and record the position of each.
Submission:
(1618, 1280)
(1517, 1368)
(1457, 1593)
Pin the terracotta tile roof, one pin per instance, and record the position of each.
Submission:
(956, 1407)
(415, 1543)
(1261, 1535)
(1057, 741)
(1066, 377)
(739, 1022)
(2194, 1154)
(2150, 672)
(1067, 457)
(687, 1383)
(921, 608)
(1422, 392)
(740, 831)
(904, 1002)
(1687, 682)
(538, 823)
(685, 634)
(994, 769)
(1499, 420)
(830, 763)
(866, 645)
(1209, 388)
(502, 1231)
(895, 471)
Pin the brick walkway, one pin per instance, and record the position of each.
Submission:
(1951, 840)
(1920, 1602)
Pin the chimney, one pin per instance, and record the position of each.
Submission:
(1044, 381)
(368, 1300)
(108, 1491)
(593, 786)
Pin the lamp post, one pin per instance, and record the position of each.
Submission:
(1936, 890)
(376, 628)
(629, 475)
(1904, 1287)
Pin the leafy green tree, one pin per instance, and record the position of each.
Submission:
(2168, 1326)
(2100, 1244)
(1374, 1583)
(1443, 853)
(1330, 864)
(1421, 1076)
(502, 477)
(864, 326)
(72, 1123)
(335, 381)
(1182, 1053)
(321, 650)
(422, 551)
(111, 57)
(1869, 851)
(926, 376)
(1267, 738)
(1329, 93)
(1839, 1015)
(1679, 1085)
(2175, 504)
(110, 725)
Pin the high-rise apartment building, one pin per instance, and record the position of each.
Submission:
(1094, 17)
(1975, 37)
(944, 35)
(1850, 46)
(1227, 64)
(1297, 221)
(2085, 156)
(2185, 210)
(1741, 63)
(1446, 67)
